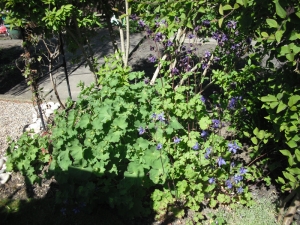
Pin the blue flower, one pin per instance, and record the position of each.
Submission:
(133, 17)
(221, 161)
(177, 140)
(153, 116)
(141, 23)
(231, 24)
(206, 23)
(243, 170)
(63, 211)
(152, 59)
(208, 151)
(233, 147)
(141, 130)
(237, 178)
(240, 190)
(161, 117)
(159, 146)
(174, 71)
(228, 184)
(76, 210)
(203, 99)
(211, 180)
(207, 54)
(204, 134)
(216, 123)
(233, 102)
(232, 164)
(158, 37)
(190, 36)
(196, 146)
(169, 43)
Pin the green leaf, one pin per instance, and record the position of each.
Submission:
(298, 14)
(281, 107)
(290, 57)
(264, 34)
(84, 121)
(279, 10)
(245, 2)
(293, 100)
(289, 155)
(289, 176)
(220, 21)
(254, 140)
(281, 180)
(63, 160)
(204, 123)
(175, 124)
(268, 98)
(297, 153)
(120, 122)
(292, 144)
(272, 23)
(236, 6)
(261, 134)
(221, 11)
(227, 7)
(246, 134)
(278, 35)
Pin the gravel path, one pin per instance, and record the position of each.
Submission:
(13, 117)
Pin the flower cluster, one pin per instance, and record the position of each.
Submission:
(160, 117)
(233, 102)
(220, 37)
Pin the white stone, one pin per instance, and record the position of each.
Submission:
(4, 178)
(48, 112)
(2, 161)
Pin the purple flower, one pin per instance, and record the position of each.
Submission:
(240, 190)
(169, 43)
(76, 210)
(233, 102)
(158, 37)
(63, 211)
(231, 24)
(207, 153)
(204, 134)
(204, 66)
(152, 59)
(146, 80)
(216, 59)
(153, 116)
(141, 23)
(191, 36)
(228, 184)
(221, 161)
(149, 31)
(207, 54)
(211, 180)
(159, 146)
(197, 28)
(232, 164)
(243, 170)
(174, 71)
(177, 140)
(216, 123)
(206, 23)
(133, 17)
(233, 147)
(237, 178)
(161, 117)
(196, 146)
(203, 99)
(141, 130)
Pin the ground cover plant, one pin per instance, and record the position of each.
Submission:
(199, 132)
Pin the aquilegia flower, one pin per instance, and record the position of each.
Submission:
(243, 170)
(177, 140)
(240, 190)
(159, 146)
(237, 178)
(152, 59)
(196, 146)
(161, 117)
(228, 184)
(207, 153)
(233, 147)
(169, 43)
(202, 98)
(204, 134)
(141, 130)
(216, 123)
(141, 23)
(211, 180)
(231, 24)
(174, 71)
(221, 161)
(207, 54)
